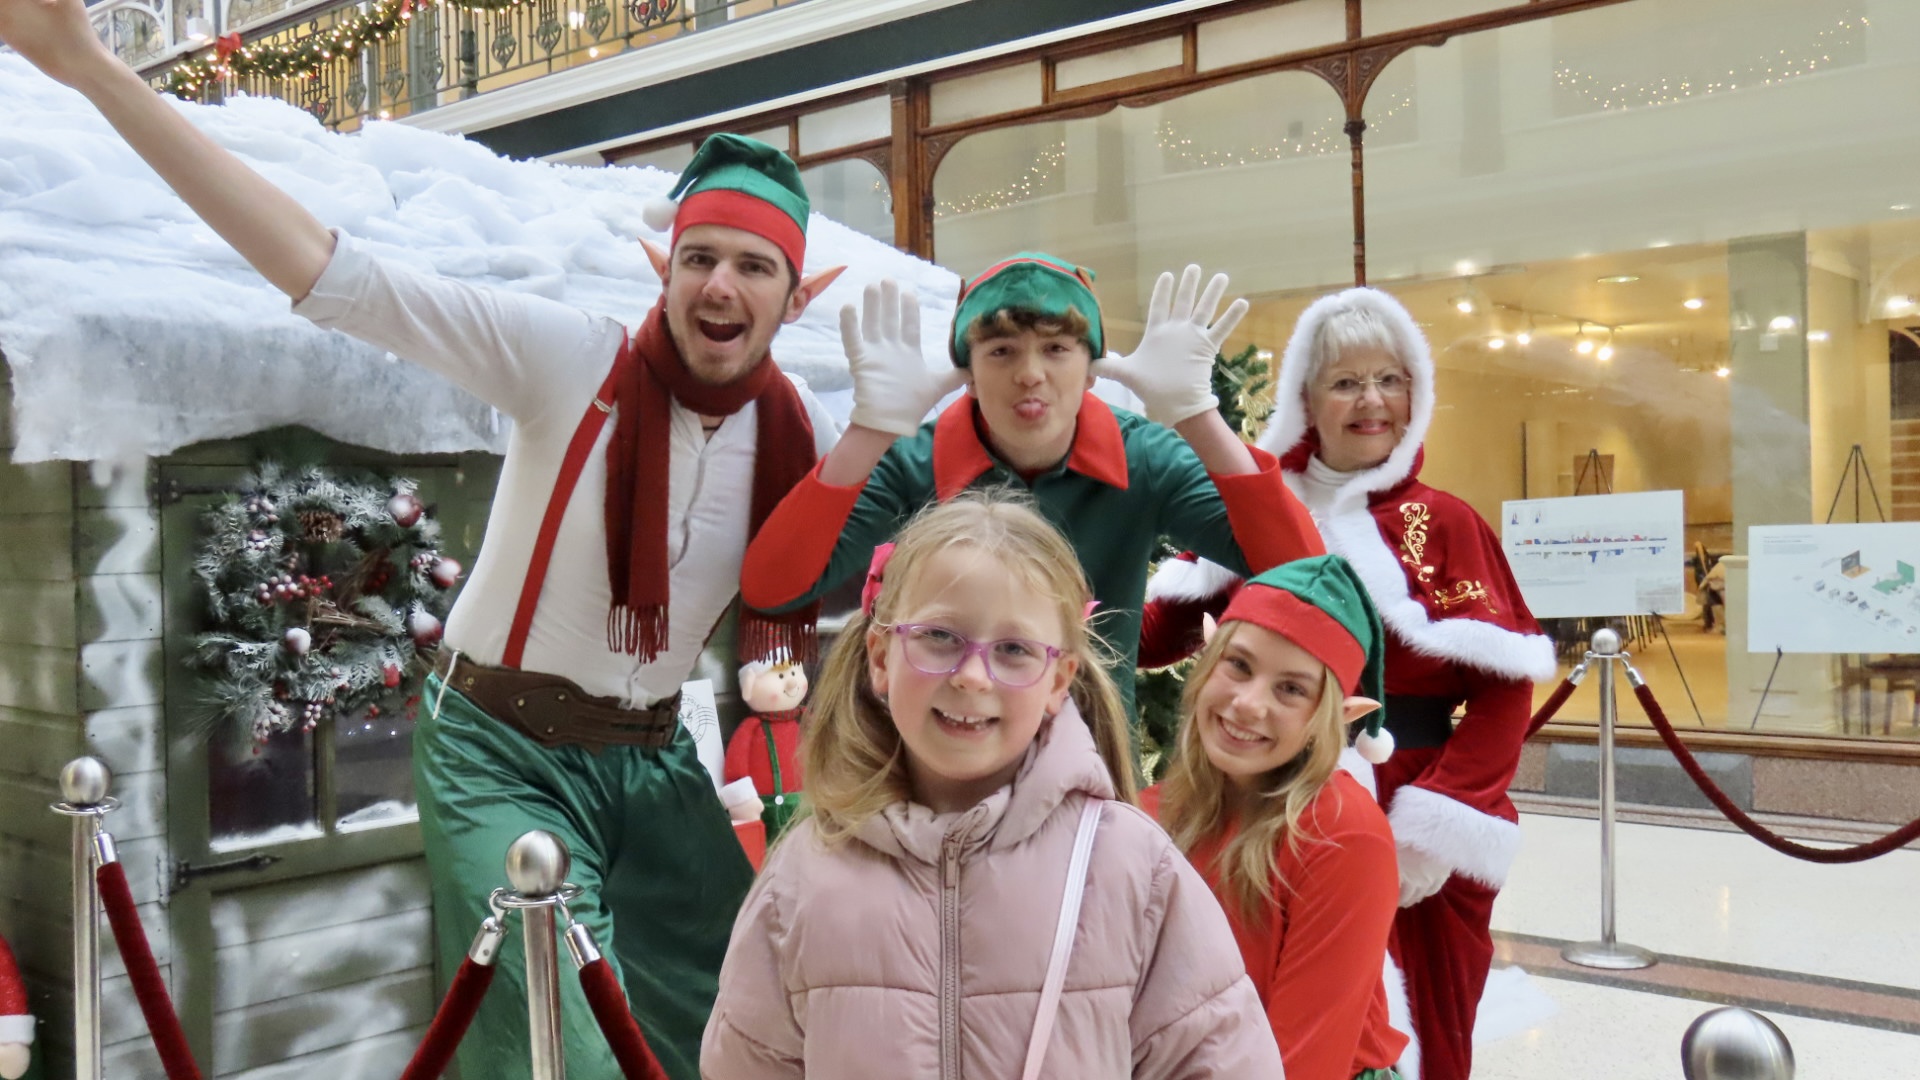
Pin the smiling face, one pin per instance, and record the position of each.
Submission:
(964, 733)
(1029, 385)
(727, 292)
(1256, 709)
(776, 689)
(1358, 432)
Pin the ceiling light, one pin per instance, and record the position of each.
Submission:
(1584, 347)
(1723, 371)
(1661, 244)
(576, 19)
(1900, 207)
(1497, 343)
(1781, 323)
(1693, 304)
(593, 52)
(1523, 337)
(1818, 335)
(1619, 279)
(1464, 267)
(1899, 305)
(1605, 353)
(1463, 304)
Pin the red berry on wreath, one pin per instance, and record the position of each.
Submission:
(405, 509)
(390, 675)
(445, 573)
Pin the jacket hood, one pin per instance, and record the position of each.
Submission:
(1289, 435)
(1062, 761)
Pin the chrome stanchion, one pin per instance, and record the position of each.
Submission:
(537, 865)
(84, 784)
(1607, 952)
(1735, 1044)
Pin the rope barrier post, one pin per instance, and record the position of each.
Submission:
(84, 784)
(1607, 953)
(1735, 1044)
(537, 865)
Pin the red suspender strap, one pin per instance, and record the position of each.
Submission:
(584, 437)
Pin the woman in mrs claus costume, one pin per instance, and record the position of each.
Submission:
(1356, 394)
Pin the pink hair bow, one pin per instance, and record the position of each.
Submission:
(876, 576)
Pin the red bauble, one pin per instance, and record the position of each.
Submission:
(445, 573)
(406, 509)
(424, 627)
(390, 675)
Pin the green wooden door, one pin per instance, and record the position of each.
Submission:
(297, 898)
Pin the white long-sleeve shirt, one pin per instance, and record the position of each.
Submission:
(541, 362)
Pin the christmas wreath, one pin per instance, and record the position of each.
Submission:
(322, 592)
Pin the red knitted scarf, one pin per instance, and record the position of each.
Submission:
(638, 457)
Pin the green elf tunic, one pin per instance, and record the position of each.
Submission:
(1126, 482)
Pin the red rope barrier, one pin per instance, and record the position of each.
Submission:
(163, 1024)
(1896, 839)
(450, 1021)
(609, 1004)
(1558, 698)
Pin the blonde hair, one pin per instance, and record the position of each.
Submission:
(854, 761)
(1198, 803)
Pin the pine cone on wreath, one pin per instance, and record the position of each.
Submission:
(321, 526)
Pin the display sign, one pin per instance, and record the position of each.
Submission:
(1833, 588)
(701, 717)
(1598, 555)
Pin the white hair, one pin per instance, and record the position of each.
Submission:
(1346, 329)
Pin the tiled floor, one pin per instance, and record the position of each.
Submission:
(1830, 953)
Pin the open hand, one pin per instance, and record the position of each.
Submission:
(1172, 370)
(54, 35)
(892, 389)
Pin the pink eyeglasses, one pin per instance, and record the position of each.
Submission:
(1014, 663)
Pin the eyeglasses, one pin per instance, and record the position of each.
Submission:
(1014, 663)
(1347, 388)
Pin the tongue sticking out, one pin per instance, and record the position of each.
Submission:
(722, 331)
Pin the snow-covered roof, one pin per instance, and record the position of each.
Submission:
(133, 330)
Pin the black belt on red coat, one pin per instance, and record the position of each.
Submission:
(1420, 723)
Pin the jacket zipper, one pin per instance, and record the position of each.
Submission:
(950, 958)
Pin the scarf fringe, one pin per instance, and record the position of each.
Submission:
(763, 637)
(641, 633)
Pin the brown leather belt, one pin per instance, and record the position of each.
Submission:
(554, 711)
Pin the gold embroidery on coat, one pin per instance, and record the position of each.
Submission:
(1413, 542)
(1462, 592)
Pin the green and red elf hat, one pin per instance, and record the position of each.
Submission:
(742, 183)
(1320, 605)
(1032, 282)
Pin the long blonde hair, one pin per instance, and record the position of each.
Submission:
(854, 761)
(1198, 803)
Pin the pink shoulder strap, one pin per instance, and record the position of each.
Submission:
(1063, 938)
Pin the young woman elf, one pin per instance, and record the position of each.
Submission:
(1295, 847)
(972, 892)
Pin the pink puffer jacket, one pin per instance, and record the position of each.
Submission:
(917, 950)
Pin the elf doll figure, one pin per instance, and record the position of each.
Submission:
(16, 1026)
(766, 746)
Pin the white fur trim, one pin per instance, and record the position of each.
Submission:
(16, 1029)
(1476, 845)
(1289, 423)
(1360, 769)
(1189, 579)
(1351, 530)
(659, 213)
(1400, 1016)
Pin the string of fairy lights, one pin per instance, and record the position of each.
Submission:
(307, 56)
(1845, 36)
(1327, 137)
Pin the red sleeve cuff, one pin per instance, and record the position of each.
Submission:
(791, 551)
(1269, 523)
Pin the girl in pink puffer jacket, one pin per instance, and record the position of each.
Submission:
(905, 928)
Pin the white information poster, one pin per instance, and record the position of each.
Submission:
(1596, 555)
(1833, 588)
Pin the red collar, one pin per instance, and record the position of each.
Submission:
(959, 457)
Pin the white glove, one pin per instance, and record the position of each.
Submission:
(1421, 875)
(892, 389)
(1172, 370)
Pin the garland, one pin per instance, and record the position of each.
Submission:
(321, 594)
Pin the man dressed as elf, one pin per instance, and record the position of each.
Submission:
(1025, 340)
(639, 466)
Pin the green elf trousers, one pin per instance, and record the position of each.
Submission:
(652, 847)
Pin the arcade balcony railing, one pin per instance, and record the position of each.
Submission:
(346, 62)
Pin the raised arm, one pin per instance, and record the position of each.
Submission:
(265, 225)
(892, 389)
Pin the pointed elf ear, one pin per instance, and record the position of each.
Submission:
(659, 257)
(1210, 627)
(810, 287)
(1356, 707)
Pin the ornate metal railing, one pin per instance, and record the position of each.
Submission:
(387, 58)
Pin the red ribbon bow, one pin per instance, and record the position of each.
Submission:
(876, 576)
(226, 45)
